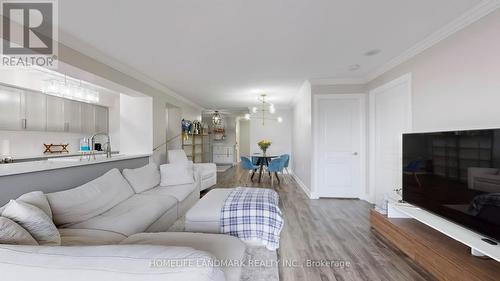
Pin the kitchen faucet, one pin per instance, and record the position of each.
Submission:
(108, 143)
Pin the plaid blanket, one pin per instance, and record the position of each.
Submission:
(253, 214)
(491, 199)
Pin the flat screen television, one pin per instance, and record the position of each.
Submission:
(455, 175)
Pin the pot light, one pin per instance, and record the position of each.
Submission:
(247, 116)
(354, 67)
(279, 119)
(372, 52)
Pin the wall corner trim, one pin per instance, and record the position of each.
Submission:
(304, 188)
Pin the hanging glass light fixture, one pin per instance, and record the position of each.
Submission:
(216, 118)
(261, 113)
(71, 90)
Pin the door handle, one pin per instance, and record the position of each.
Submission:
(355, 153)
(25, 123)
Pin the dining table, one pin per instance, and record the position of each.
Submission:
(262, 160)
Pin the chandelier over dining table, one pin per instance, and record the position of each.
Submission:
(264, 111)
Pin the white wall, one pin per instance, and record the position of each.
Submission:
(244, 137)
(136, 125)
(302, 137)
(280, 134)
(456, 83)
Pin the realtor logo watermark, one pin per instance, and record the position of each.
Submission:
(29, 33)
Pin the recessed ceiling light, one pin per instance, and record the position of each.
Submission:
(354, 67)
(373, 52)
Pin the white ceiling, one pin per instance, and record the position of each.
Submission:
(223, 53)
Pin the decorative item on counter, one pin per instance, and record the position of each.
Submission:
(97, 146)
(186, 128)
(196, 127)
(264, 145)
(219, 134)
(56, 148)
(5, 152)
(84, 144)
(5, 156)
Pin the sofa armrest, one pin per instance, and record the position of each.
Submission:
(197, 173)
(473, 172)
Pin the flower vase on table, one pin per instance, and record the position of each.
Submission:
(264, 145)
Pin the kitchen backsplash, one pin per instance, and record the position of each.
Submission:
(30, 144)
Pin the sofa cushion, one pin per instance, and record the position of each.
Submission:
(34, 220)
(13, 233)
(176, 174)
(179, 192)
(89, 237)
(89, 200)
(37, 199)
(109, 262)
(223, 247)
(143, 178)
(132, 216)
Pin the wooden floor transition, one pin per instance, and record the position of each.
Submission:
(336, 232)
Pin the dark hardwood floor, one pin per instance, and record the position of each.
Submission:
(333, 230)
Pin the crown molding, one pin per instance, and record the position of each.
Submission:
(338, 81)
(92, 52)
(469, 17)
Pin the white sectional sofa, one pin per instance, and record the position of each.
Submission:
(113, 228)
(112, 204)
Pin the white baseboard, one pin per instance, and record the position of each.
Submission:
(306, 189)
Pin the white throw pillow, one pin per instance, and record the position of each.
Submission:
(34, 220)
(37, 199)
(13, 233)
(176, 174)
(143, 178)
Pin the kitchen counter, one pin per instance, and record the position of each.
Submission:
(45, 156)
(60, 163)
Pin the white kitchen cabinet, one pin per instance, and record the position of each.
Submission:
(88, 118)
(10, 108)
(72, 116)
(101, 119)
(223, 154)
(55, 114)
(34, 111)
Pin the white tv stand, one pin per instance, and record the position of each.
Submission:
(457, 232)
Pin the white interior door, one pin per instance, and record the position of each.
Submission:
(340, 138)
(390, 113)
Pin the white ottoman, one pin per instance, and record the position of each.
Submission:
(204, 216)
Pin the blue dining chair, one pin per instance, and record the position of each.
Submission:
(274, 167)
(255, 160)
(247, 164)
(286, 159)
